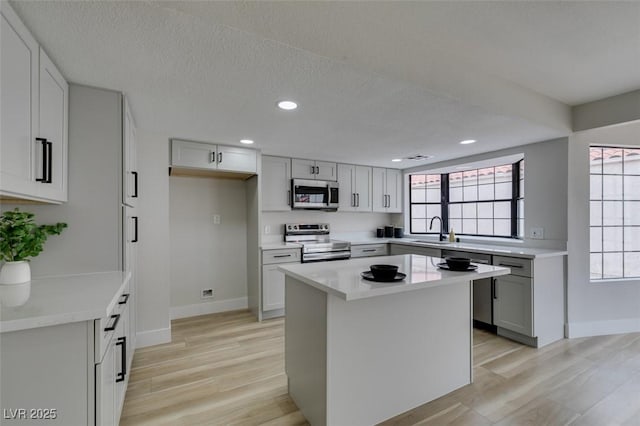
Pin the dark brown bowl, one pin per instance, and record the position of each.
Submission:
(458, 263)
(383, 272)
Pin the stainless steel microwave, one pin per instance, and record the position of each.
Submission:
(314, 194)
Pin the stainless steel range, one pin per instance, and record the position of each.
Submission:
(316, 243)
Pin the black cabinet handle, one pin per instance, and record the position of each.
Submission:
(219, 157)
(313, 170)
(49, 162)
(125, 299)
(357, 200)
(317, 170)
(114, 324)
(212, 157)
(135, 229)
(289, 197)
(135, 184)
(45, 163)
(511, 266)
(368, 250)
(122, 341)
(494, 289)
(282, 255)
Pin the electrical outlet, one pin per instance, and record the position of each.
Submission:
(267, 229)
(216, 219)
(536, 233)
(207, 293)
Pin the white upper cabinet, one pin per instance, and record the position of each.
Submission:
(311, 169)
(200, 155)
(387, 190)
(355, 187)
(276, 183)
(34, 98)
(129, 157)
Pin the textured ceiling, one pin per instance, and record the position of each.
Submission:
(375, 80)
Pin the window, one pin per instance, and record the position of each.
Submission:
(614, 212)
(487, 201)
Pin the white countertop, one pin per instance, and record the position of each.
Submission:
(342, 278)
(279, 245)
(61, 300)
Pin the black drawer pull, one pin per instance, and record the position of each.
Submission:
(511, 266)
(45, 162)
(114, 324)
(126, 299)
(135, 229)
(283, 255)
(368, 250)
(122, 341)
(135, 184)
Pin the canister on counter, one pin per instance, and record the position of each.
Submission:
(380, 232)
(398, 232)
(388, 231)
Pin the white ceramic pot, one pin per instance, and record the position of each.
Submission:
(15, 295)
(15, 273)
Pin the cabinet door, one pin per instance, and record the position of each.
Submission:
(378, 193)
(276, 183)
(347, 184)
(272, 288)
(193, 154)
(19, 56)
(237, 159)
(393, 187)
(54, 101)
(369, 250)
(106, 388)
(129, 157)
(303, 169)
(326, 170)
(512, 302)
(363, 179)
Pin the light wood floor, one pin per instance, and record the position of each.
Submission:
(227, 368)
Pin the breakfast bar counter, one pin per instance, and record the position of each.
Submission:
(358, 352)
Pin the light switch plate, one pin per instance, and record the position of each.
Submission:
(536, 233)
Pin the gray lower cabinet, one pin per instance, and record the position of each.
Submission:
(273, 280)
(512, 304)
(369, 250)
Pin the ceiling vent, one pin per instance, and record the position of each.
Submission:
(419, 157)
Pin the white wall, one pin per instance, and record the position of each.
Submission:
(598, 307)
(153, 250)
(203, 254)
(545, 188)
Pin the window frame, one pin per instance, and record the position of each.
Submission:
(445, 202)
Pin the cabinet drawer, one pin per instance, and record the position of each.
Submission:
(280, 256)
(519, 266)
(369, 250)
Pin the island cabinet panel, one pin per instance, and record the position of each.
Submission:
(369, 250)
(407, 249)
(512, 304)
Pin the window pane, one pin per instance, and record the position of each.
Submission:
(596, 266)
(502, 210)
(455, 194)
(485, 226)
(470, 193)
(503, 191)
(632, 187)
(485, 210)
(418, 225)
(455, 224)
(419, 211)
(485, 192)
(455, 211)
(470, 178)
(433, 195)
(469, 226)
(632, 264)
(632, 213)
(632, 161)
(520, 209)
(595, 163)
(418, 196)
(595, 187)
(503, 173)
(596, 239)
(502, 227)
(612, 212)
(469, 210)
(485, 176)
(455, 179)
(418, 180)
(595, 212)
(520, 228)
(612, 161)
(433, 210)
(612, 239)
(632, 239)
(521, 188)
(612, 265)
(612, 187)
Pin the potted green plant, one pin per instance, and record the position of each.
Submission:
(20, 240)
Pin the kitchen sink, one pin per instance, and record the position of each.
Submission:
(442, 243)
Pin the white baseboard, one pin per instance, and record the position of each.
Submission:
(601, 328)
(153, 337)
(208, 308)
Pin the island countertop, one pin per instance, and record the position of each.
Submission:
(342, 278)
(64, 299)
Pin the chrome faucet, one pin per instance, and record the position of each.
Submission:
(441, 225)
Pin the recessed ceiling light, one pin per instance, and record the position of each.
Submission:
(246, 141)
(287, 105)
(396, 160)
(467, 142)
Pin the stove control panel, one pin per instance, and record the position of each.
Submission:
(306, 228)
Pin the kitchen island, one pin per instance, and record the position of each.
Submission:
(359, 352)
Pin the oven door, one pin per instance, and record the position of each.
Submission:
(311, 194)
